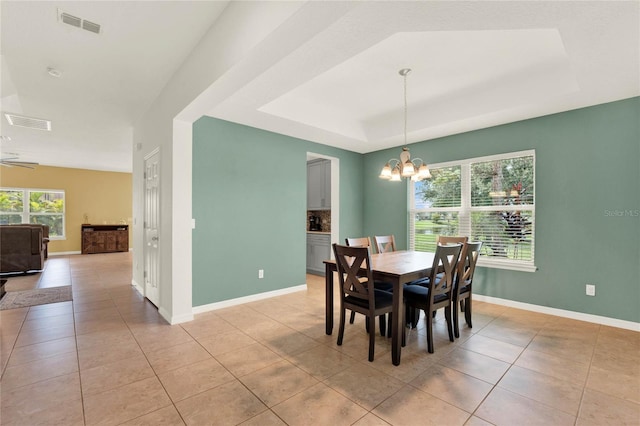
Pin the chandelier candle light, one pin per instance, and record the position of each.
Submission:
(415, 169)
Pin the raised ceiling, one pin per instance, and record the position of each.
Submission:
(475, 65)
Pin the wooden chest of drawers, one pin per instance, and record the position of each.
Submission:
(104, 238)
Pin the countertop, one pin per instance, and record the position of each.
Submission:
(319, 232)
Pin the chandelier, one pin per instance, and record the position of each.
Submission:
(405, 167)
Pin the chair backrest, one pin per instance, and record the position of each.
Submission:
(467, 265)
(445, 239)
(349, 262)
(443, 271)
(359, 242)
(385, 243)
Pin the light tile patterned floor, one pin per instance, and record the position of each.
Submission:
(108, 358)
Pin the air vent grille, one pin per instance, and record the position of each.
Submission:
(29, 122)
(90, 26)
(71, 20)
(78, 22)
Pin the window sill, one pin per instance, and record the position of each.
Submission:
(507, 264)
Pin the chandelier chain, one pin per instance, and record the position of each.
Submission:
(405, 109)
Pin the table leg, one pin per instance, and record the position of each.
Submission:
(397, 322)
(328, 298)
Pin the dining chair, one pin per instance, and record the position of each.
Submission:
(445, 240)
(411, 314)
(385, 243)
(366, 242)
(357, 291)
(448, 239)
(464, 281)
(439, 293)
(359, 242)
(455, 239)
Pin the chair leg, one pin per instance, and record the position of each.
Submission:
(414, 315)
(352, 318)
(429, 319)
(372, 339)
(341, 328)
(383, 324)
(456, 327)
(389, 329)
(462, 305)
(467, 311)
(447, 316)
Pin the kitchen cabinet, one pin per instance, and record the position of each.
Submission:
(318, 250)
(319, 185)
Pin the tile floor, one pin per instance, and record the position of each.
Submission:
(108, 358)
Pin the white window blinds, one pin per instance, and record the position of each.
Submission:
(488, 199)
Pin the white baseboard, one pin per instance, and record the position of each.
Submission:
(175, 319)
(246, 299)
(63, 253)
(613, 322)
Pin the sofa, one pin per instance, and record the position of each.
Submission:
(45, 234)
(22, 248)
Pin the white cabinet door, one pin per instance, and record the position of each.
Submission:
(319, 185)
(318, 250)
(315, 185)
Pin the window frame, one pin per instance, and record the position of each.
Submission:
(466, 210)
(26, 213)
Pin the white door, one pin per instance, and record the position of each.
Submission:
(151, 225)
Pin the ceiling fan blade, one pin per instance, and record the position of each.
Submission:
(25, 164)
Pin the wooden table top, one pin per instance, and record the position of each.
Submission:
(400, 262)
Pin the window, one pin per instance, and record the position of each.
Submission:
(46, 207)
(488, 199)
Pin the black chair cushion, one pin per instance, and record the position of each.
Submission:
(383, 298)
(425, 282)
(382, 285)
(420, 293)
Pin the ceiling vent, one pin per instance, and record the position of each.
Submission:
(28, 122)
(77, 22)
(90, 26)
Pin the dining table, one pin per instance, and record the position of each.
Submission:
(397, 268)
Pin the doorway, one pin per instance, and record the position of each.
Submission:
(334, 197)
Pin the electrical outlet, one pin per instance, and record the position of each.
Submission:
(591, 290)
(260, 273)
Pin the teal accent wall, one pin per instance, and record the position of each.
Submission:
(587, 206)
(249, 202)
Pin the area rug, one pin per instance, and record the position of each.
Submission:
(39, 296)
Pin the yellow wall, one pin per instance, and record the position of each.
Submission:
(106, 197)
